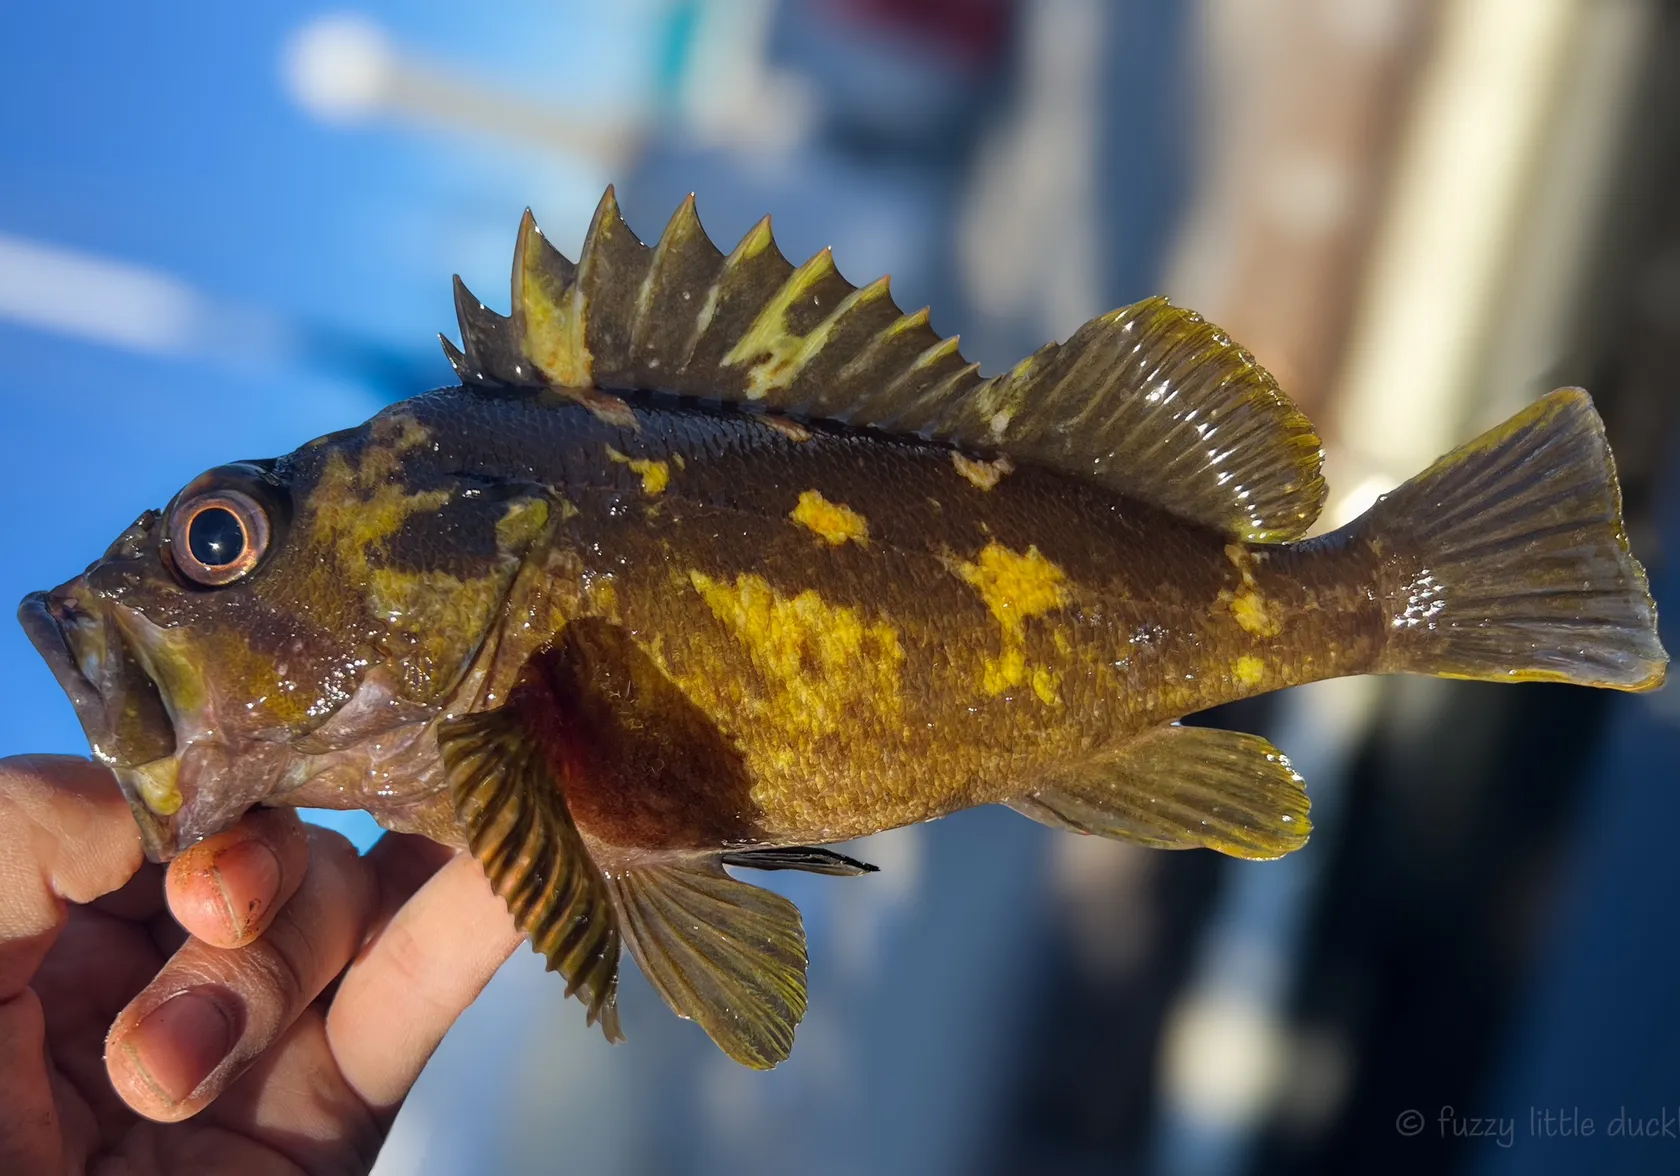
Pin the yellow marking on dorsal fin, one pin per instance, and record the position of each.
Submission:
(909, 322)
(757, 240)
(770, 337)
(793, 352)
(834, 522)
(869, 353)
(655, 473)
(549, 312)
(936, 353)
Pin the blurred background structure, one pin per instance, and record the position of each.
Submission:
(228, 228)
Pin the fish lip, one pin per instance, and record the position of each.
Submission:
(43, 617)
(46, 632)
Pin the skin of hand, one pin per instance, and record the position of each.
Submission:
(261, 1006)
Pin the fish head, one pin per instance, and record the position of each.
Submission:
(277, 612)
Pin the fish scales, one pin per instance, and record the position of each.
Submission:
(1147, 631)
(712, 561)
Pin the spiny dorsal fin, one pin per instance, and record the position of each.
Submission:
(1150, 400)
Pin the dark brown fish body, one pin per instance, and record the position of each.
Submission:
(956, 645)
(712, 561)
(966, 636)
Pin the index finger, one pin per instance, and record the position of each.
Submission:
(66, 836)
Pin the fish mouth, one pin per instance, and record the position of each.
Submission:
(121, 707)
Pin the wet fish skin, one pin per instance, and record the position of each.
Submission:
(714, 560)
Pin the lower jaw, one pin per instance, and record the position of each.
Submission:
(155, 798)
(202, 790)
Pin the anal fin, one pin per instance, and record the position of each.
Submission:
(520, 830)
(1181, 788)
(725, 954)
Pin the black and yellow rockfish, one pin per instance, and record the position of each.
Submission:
(710, 561)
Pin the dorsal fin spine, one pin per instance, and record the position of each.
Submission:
(769, 338)
(870, 353)
(546, 320)
(941, 349)
(817, 338)
(683, 227)
(758, 238)
(458, 361)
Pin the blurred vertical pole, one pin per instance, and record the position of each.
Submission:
(1303, 103)
(1434, 339)
(1596, 1028)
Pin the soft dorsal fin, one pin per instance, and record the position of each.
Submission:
(1151, 400)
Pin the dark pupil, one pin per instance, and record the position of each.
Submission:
(215, 537)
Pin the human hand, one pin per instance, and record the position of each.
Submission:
(229, 1048)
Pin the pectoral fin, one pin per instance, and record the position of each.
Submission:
(520, 830)
(1182, 788)
(721, 952)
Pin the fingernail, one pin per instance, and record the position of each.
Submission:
(177, 1044)
(250, 870)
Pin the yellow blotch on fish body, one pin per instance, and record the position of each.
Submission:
(833, 522)
(356, 507)
(1004, 672)
(1047, 684)
(1248, 671)
(523, 521)
(1255, 613)
(983, 474)
(1248, 605)
(822, 667)
(600, 595)
(431, 609)
(1015, 586)
(655, 474)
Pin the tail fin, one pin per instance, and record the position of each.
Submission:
(1507, 561)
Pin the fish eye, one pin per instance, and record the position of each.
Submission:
(217, 538)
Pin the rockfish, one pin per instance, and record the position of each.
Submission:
(711, 561)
